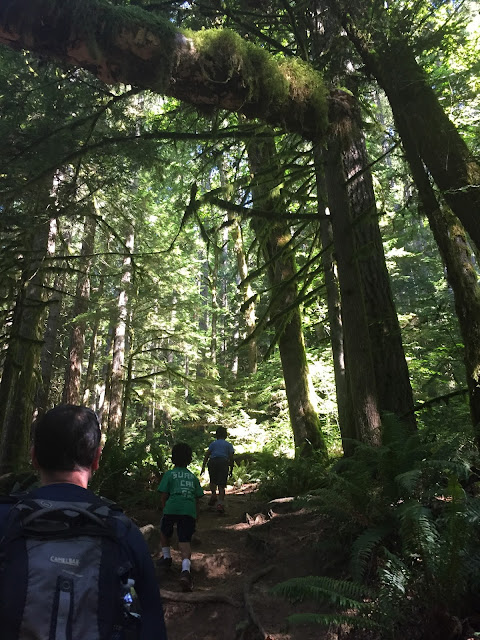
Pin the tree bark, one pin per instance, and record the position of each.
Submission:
(346, 421)
(419, 116)
(50, 339)
(461, 275)
(247, 297)
(131, 46)
(391, 372)
(275, 236)
(22, 361)
(359, 361)
(73, 373)
(118, 358)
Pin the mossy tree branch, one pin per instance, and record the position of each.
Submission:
(211, 68)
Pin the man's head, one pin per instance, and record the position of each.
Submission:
(181, 454)
(221, 433)
(67, 438)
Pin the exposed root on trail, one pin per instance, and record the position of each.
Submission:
(198, 596)
(248, 602)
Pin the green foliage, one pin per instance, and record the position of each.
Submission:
(410, 527)
(268, 80)
(290, 477)
(130, 475)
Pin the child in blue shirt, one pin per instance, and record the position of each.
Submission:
(219, 456)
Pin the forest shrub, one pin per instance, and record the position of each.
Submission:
(130, 474)
(411, 531)
(281, 477)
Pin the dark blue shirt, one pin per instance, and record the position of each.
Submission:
(146, 586)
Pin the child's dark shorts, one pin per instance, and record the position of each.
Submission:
(185, 526)
(218, 471)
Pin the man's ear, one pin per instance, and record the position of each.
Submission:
(34, 458)
(96, 459)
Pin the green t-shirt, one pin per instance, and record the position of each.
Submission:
(184, 489)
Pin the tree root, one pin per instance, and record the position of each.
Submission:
(248, 602)
(198, 596)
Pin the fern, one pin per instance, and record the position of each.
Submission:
(411, 528)
(363, 548)
(327, 619)
(323, 589)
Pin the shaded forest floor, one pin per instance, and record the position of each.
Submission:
(236, 559)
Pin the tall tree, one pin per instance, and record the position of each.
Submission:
(119, 342)
(391, 371)
(358, 355)
(73, 373)
(21, 367)
(389, 56)
(274, 236)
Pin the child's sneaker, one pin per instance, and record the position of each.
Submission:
(186, 582)
(164, 563)
(220, 508)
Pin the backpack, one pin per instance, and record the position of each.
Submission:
(63, 575)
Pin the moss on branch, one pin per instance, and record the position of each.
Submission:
(271, 83)
(213, 67)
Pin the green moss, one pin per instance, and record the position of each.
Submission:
(306, 84)
(270, 81)
(101, 27)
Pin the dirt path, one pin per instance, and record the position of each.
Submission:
(236, 559)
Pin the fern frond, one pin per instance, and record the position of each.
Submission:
(323, 589)
(327, 619)
(362, 550)
(409, 481)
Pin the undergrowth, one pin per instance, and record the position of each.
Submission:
(404, 518)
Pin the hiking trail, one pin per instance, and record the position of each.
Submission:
(236, 559)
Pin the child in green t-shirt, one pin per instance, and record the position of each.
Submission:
(180, 492)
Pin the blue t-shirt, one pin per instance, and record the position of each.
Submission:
(146, 585)
(220, 449)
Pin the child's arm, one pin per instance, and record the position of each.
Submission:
(230, 464)
(163, 498)
(205, 460)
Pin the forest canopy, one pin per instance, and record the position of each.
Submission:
(261, 215)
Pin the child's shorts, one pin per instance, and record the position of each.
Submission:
(185, 526)
(218, 471)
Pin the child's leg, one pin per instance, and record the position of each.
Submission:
(186, 553)
(221, 494)
(166, 531)
(165, 542)
(213, 489)
(185, 531)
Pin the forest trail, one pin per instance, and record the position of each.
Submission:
(236, 559)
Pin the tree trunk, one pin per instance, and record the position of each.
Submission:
(461, 275)
(73, 373)
(359, 361)
(248, 304)
(214, 280)
(284, 309)
(346, 421)
(391, 372)
(50, 340)
(118, 358)
(88, 394)
(22, 361)
(419, 116)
